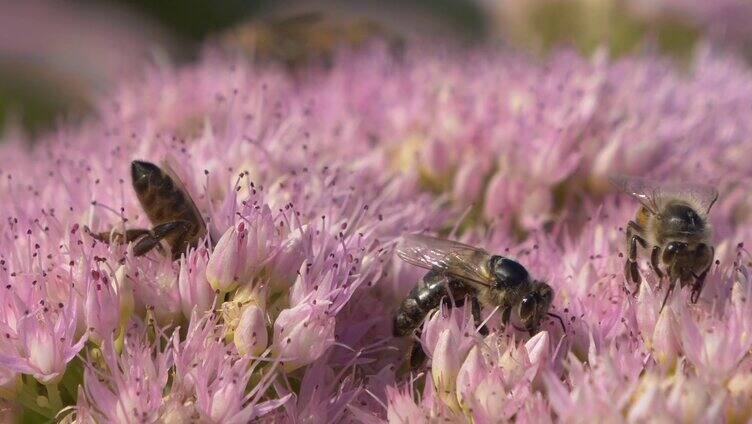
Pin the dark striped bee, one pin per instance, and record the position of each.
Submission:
(176, 219)
(673, 224)
(458, 271)
(305, 37)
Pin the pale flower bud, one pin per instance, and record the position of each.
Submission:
(289, 258)
(471, 373)
(195, 291)
(448, 357)
(250, 335)
(227, 260)
(101, 308)
(537, 348)
(665, 345)
(302, 334)
(124, 288)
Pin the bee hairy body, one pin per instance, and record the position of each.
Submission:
(457, 272)
(426, 296)
(644, 217)
(672, 224)
(505, 299)
(677, 221)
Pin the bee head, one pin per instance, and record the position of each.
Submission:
(507, 273)
(535, 305)
(673, 249)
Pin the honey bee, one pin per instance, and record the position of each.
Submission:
(176, 219)
(673, 223)
(304, 37)
(457, 271)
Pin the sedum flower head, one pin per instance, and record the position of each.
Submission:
(306, 181)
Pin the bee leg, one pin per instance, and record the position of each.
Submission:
(698, 285)
(482, 329)
(115, 237)
(145, 244)
(635, 230)
(655, 257)
(417, 356)
(506, 316)
(670, 289)
(631, 271)
(180, 244)
(700, 280)
(151, 239)
(103, 236)
(134, 234)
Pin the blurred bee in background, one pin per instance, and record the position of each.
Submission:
(176, 219)
(305, 37)
(457, 271)
(673, 224)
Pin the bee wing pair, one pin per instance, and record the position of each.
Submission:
(650, 193)
(453, 258)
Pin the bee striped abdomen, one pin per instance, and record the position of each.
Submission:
(160, 197)
(427, 295)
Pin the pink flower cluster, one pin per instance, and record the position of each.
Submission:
(307, 181)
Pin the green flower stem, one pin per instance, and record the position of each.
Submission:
(53, 394)
(31, 385)
(71, 388)
(72, 378)
(29, 401)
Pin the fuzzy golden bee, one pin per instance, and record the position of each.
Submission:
(672, 223)
(176, 220)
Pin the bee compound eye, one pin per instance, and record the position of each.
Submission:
(527, 307)
(675, 247)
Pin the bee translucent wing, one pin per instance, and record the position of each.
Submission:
(457, 259)
(643, 189)
(169, 165)
(700, 195)
(651, 192)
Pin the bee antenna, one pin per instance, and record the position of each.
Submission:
(561, 321)
(665, 298)
(712, 203)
